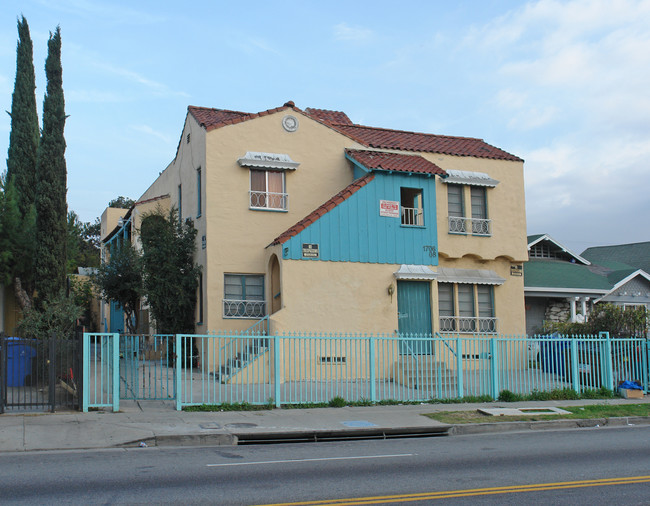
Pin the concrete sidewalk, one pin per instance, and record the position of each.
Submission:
(158, 424)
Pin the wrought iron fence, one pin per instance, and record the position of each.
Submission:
(40, 374)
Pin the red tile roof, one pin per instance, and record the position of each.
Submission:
(379, 138)
(210, 118)
(384, 138)
(323, 209)
(336, 117)
(381, 160)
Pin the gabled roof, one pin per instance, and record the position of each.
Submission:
(210, 118)
(636, 255)
(535, 239)
(323, 209)
(379, 138)
(381, 160)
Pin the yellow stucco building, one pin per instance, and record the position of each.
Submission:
(326, 225)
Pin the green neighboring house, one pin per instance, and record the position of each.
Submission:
(560, 285)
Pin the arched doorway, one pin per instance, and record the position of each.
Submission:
(276, 290)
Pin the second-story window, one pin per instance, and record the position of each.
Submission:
(268, 190)
(480, 222)
(456, 208)
(412, 207)
(465, 186)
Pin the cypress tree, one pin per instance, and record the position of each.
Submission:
(24, 136)
(51, 207)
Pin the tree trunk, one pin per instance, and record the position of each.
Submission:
(22, 297)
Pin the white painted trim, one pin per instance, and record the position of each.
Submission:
(547, 237)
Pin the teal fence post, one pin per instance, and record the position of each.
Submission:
(276, 369)
(85, 350)
(459, 367)
(495, 368)
(574, 365)
(609, 367)
(177, 372)
(371, 357)
(116, 371)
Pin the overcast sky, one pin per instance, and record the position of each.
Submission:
(565, 85)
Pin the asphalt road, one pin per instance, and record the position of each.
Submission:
(589, 466)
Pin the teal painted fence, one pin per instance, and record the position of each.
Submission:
(295, 369)
(255, 368)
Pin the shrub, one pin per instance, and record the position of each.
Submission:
(508, 396)
(337, 402)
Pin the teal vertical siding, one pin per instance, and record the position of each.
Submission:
(355, 232)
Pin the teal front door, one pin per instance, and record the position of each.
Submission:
(414, 315)
(117, 318)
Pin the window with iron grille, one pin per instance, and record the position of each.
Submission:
(244, 296)
(268, 190)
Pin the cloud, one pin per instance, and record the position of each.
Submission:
(343, 31)
(147, 130)
(159, 89)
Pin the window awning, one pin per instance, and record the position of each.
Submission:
(471, 178)
(469, 276)
(276, 161)
(420, 272)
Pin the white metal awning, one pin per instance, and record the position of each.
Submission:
(471, 178)
(415, 272)
(276, 161)
(470, 276)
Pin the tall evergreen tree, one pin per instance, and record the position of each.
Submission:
(51, 207)
(24, 136)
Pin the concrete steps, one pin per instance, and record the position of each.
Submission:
(424, 372)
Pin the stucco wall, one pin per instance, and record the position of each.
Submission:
(506, 209)
(236, 235)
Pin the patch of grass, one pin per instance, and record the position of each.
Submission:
(228, 406)
(576, 413)
(339, 402)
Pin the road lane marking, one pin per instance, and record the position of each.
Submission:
(448, 494)
(311, 460)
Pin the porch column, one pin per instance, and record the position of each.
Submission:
(572, 303)
(584, 307)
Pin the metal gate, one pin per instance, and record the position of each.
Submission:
(40, 374)
(147, 367)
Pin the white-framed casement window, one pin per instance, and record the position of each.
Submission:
(466, 308)
(268, 190)
(244, 296)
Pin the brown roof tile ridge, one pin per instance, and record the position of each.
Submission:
(244, 116)
(323, 209)
(356, 125)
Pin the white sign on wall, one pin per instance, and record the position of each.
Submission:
(389, 208)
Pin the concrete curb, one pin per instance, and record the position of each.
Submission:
(497, 427)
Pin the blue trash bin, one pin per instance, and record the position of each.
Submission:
(19, 361)
(552, 354)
